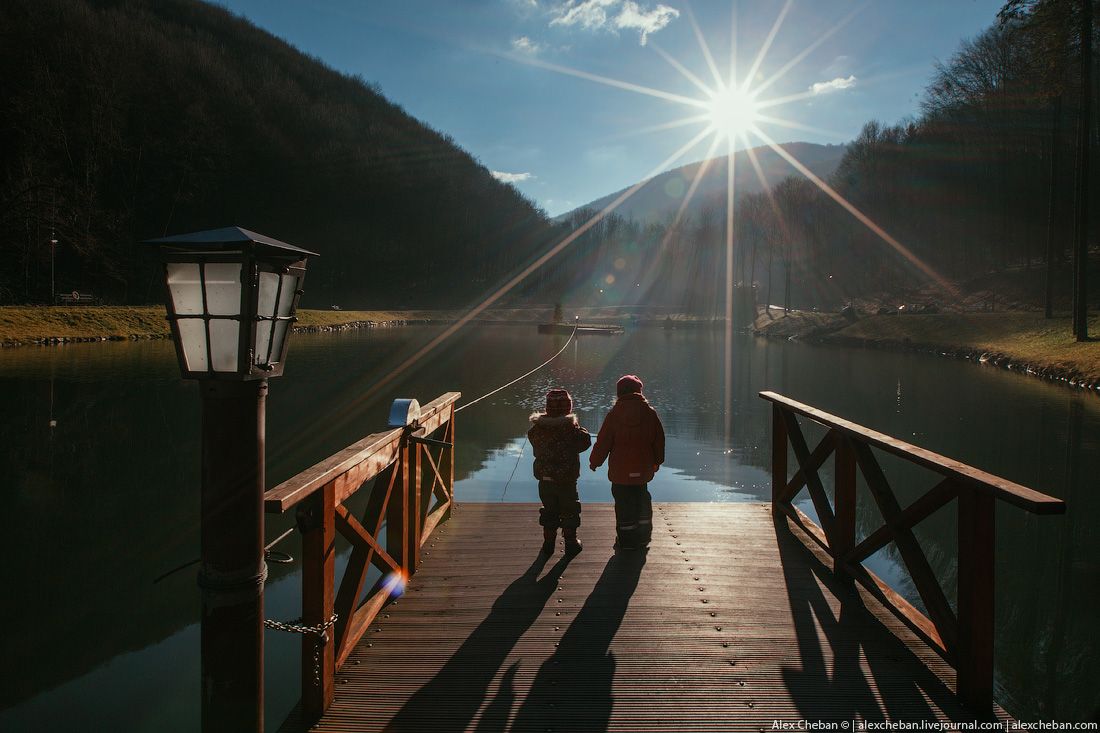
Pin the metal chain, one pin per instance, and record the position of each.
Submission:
(320, 631)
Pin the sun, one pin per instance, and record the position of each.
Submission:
(732, 111)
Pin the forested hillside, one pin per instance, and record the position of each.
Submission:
(987, 180)
(982, 190)
(128, 119)
(660, 198)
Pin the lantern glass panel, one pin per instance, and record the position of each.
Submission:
(288, 287)
(278, 337)
(224, 342)
(223, 289)
(192, 335)
(185, 287)
(286, 295)
(269, 291)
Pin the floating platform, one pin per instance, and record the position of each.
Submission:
(564, 329)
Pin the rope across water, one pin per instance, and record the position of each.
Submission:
(522, 376)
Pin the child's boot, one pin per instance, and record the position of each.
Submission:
(549, 539)
(572, 546)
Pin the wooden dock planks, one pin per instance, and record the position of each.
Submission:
(725, 624)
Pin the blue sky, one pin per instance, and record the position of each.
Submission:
(490, 72)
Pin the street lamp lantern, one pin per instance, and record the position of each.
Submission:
(232, 296)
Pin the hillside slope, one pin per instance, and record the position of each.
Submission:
(128, 119)
(662, 195)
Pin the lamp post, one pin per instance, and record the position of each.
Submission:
(53, 249)
(231, 299)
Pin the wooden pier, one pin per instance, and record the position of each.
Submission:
(738, 615)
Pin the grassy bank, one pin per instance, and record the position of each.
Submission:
(22, 325)
(1023, 341)
(30, 325)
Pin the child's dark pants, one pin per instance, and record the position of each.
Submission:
(561, 506)
(633, 514)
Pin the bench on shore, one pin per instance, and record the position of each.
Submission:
(76, 298)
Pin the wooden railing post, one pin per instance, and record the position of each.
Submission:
(974, 651)
(844, 501)
(317, 520)
(412, 509)
(397, 515)
(779, 455)
(450, 475)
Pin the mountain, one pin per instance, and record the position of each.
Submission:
(662, 195)
(130, 119)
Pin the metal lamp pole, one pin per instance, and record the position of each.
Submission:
(233, 570)
(53, 249)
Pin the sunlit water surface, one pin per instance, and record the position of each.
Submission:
(105, 501)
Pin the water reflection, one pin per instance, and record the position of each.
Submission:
(105, 501)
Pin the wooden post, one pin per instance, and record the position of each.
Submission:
(397, 516)
(412, 508)
(779, 455)
(318, 523)
(450, 475)
(843, 540)
(974, 651)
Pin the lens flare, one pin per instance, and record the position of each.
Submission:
(394, 584)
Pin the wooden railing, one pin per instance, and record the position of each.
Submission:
(406, 475)
(964, 639)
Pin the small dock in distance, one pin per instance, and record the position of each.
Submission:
(582, 329)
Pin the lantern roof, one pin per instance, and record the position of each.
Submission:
(229, 238)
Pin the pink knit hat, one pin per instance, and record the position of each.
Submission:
(628, 384)
(558, 402)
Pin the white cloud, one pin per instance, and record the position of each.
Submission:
(525, 7)
(523, 44)
(590, 14)
(511, 177)
(646, 21)
(614, 15)
(835, 85)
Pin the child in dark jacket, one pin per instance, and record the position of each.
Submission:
(634, 439)
(557, 440)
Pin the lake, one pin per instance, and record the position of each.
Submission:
(100, 459)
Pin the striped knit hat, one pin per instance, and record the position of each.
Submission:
(558, 402)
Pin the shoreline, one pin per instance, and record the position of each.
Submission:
(57, 325)
(1021, 342)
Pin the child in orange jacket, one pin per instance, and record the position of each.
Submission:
(634, 439)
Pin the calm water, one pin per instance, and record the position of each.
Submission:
(104, 502)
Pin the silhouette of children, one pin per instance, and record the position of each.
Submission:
(557, 440)
(634, 439)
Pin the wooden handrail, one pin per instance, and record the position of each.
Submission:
(380, 449)
(1001, 488)
(964, 639)
(404, 478)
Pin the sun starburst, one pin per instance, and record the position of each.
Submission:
(731, 112)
